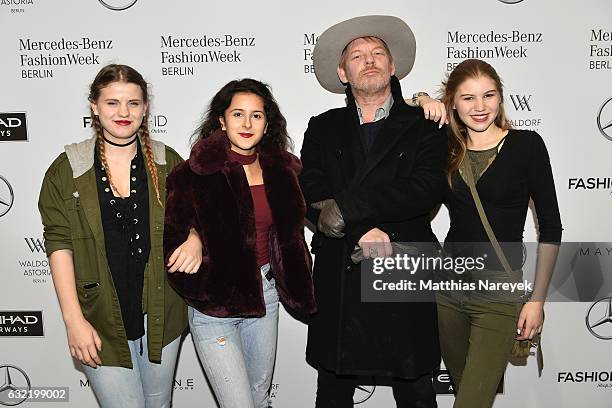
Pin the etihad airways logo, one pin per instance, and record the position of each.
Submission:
(21, 323)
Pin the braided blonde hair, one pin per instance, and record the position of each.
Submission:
(123, 73)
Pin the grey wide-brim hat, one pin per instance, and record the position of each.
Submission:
(392, 30)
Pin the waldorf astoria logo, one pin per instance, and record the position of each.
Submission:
(525, 116)
(604, 119)
(16, 6)
(521, 102)
(118, 5)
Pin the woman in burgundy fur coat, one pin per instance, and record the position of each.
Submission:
(239, 190)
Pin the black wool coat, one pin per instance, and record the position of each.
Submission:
(211, 194)
(394, 188)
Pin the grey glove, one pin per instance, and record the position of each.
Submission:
(330, 222)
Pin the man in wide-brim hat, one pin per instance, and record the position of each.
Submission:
(373, 172)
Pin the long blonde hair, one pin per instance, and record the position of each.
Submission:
(123, 73)
(457, 131)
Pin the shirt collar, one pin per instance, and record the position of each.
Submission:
(381, 113)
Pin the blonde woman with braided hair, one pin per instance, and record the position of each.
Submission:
(102, 206)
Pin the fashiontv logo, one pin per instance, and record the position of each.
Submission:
(157, 123)
(589, 183)
(21, 323)
(601, 377)
(13, 379)
(599, 319)
(7, 197)
(604, 119)
(118, 5)
(13, 127)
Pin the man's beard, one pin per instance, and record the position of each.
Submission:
(370, 86)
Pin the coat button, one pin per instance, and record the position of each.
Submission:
(393, 235)
(159, 288)
(402, 155)
(338, 153)
(349, 267)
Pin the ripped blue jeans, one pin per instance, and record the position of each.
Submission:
(238, 353)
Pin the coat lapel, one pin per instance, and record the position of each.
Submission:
(87, 189)
(352, 154)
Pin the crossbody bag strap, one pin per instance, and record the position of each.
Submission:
(466, 171)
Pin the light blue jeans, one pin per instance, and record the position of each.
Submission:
(237, 353)
(146, 385)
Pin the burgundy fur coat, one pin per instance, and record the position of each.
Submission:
(211, 194)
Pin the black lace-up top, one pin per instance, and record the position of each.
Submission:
(126, 236)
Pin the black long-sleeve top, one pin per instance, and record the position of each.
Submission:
(520, 171)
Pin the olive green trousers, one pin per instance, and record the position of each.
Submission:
(476, 338)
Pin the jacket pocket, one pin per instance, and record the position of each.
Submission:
(88, 293)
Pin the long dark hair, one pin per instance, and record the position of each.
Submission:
(123, 73)
(277, 124)
(457, 138)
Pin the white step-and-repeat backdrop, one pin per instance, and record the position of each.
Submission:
(556, 61)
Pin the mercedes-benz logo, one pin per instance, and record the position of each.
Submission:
(14, 379)
(6, 196)
(599, 319)
(363, 393)
(118, 5)
(604, 119)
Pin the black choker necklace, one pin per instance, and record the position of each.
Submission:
(119, 144)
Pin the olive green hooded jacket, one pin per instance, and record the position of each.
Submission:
(70, 211)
